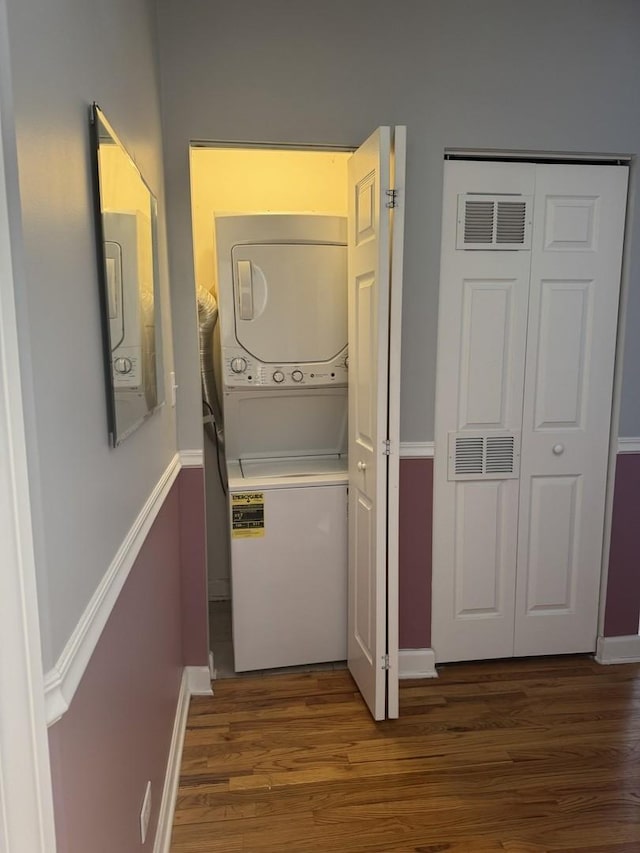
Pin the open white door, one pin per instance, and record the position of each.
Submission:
(374, 350)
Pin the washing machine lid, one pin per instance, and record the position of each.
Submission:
(290, 301)
(295, 422)
(299, 466)
(290, 473)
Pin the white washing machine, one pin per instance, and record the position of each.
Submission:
(288, 562)
(283, 333)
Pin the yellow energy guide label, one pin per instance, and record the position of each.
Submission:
(247, 515)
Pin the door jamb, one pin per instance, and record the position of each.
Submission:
(26, 797)
(616, 403)
(199, 144)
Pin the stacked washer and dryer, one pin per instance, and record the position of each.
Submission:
(283, 369)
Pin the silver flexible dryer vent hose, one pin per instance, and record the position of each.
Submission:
(207, 319)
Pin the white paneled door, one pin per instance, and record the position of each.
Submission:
(530, 272)
(374, 315)
(573, 313)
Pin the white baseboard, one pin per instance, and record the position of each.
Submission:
(62, 680)
(172, 775)
(199, 680)
(618, 649)
(417, 663)
(417, 449)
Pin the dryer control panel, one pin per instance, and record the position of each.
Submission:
(241, 370)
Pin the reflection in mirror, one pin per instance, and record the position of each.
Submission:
(127, 271)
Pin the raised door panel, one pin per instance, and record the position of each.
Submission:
(364, 588)
(565, 330)
(555, 526)
(364, 346)
(482, 550)
(487, 327)
(363, 424)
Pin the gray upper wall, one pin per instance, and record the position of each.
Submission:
(64, 54)
(554, 75)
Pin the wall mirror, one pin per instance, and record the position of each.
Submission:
(126, 241)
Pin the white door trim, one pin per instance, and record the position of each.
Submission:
(617, 445)
(398, 184)
(26, 802)
(528, 156)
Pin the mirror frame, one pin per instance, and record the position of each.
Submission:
(97, 118)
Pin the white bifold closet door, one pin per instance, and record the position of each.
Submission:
(530, 273)
(375, 248)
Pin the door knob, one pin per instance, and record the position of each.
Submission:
(362, 466)
(558, 449)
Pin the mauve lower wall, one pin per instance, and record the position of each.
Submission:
(416, 510)
(193, 555)
(622, 613)
(117, 732)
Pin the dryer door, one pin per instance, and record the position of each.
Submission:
(290, 304)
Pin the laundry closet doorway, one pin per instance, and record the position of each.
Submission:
(530, 277)
(264, 181)
(239, 179)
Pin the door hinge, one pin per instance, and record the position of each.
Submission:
(385, 662)
(386, 444)
(391, 195)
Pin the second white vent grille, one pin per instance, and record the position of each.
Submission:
(494, 222)
(483, 455)
(511, 222)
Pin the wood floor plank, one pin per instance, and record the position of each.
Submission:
(531, 756)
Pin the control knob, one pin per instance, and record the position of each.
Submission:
(278, 376)
(238, 364)
(297, 376)
(123, 365)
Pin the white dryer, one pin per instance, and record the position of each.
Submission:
(283, 332)
(282, 295)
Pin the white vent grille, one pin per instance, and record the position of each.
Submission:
(494, 222)
(483, 455)
(469, 455)
(511, 222)
(499, 454)
(478, 222)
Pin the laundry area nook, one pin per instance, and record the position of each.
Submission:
(271, 230)
(282, 303)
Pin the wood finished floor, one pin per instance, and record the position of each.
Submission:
(525, 756)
